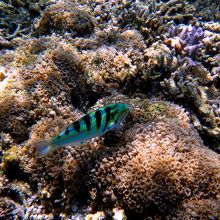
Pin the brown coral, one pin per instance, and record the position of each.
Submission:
(118, 65)
(163, 164)
(65, 17)
(153, 168)
(35, 84)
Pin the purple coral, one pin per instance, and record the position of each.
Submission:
(188, 41)
(191, 39)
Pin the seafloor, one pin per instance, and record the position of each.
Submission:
(61, 59)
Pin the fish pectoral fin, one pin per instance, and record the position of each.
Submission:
(44, 147)
(117, 126)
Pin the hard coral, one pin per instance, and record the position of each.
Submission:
(156, 166)
(36, 86)
(16, 20)
(151, 17)
(152, 168)
(65, 17)
(188, 41)
(199, 87)
(159, 167)
(113, 66)
(14, 106)
(206, 9)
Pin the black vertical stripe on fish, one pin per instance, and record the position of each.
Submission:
(113, 116)
(98, 117)
(76, 126)
(87, 120)
(113, 113)
(67, 131)
(108, 117)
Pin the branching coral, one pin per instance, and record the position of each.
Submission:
(16, 19)
(188, 41)
(151, 17)
(198, 86)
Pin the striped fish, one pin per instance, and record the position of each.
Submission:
(94, 124)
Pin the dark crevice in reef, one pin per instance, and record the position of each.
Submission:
(13, 171)
(13, 193)
(152, 210)
(56, 198)
(84, 102)
(136, 85)
(212, 142)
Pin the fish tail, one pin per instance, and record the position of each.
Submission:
(44, 147)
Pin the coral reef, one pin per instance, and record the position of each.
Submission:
(152, 17)
(114, 67)
(35, 84)
(61, 59)
(208, 10)
(109, 169)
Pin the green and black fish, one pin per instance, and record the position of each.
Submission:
(94, 124)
